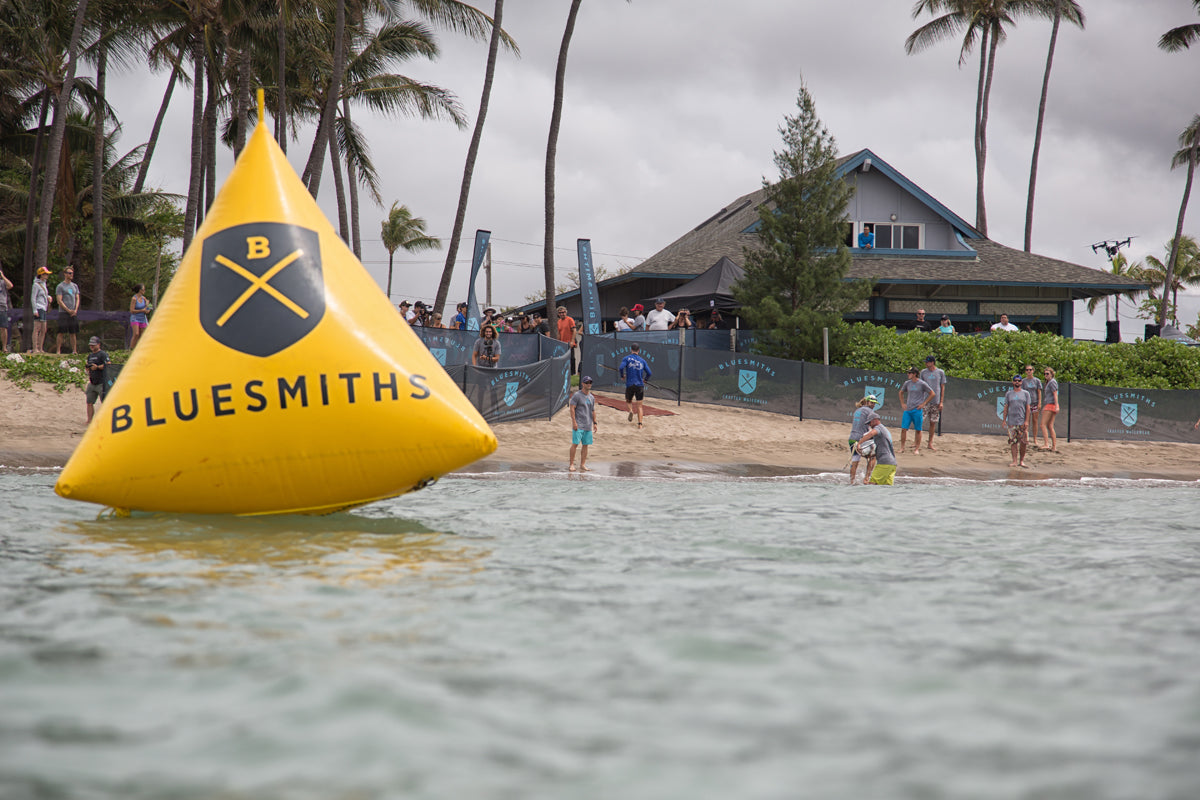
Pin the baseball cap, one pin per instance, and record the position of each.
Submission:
(873, 417)
(913, 370)
(930, 358)
(659, 300)
(1017, 377)
(405, 304)
(586, 379)
(94, 340)
(43, 271)
(637, 307)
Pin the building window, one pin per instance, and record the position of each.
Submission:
(896, 236)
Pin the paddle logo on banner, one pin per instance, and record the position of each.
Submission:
(261, 286)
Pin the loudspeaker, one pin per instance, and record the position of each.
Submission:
(1114, 331)
(1151, 332)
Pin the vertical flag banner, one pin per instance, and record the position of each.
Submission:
(275, 377)
(473, 313)
(588, 294)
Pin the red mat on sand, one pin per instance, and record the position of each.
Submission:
(619, 404)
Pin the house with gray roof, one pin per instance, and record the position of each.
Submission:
(925, 256)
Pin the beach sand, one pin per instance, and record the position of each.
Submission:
(40, 428)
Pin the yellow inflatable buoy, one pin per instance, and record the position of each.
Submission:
(275, 376)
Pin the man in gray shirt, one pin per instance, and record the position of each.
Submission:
(884, 473)
(1016, 407)
(936, 378)
(915, 394)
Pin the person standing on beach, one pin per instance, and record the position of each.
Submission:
(915, 394)
(97, 368)
(486, 352)
(41, 309)
(1016, 406)
(139, 306)
(884, 473)
(858, 427)
(936, 378)
(5, 285)
(635, 370)
(67, 296)
(583, 423)
(1033, 384)
(1049, 410)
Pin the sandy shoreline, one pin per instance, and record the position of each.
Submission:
(40, 428)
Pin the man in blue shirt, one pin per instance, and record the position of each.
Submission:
(635, 371)
(866, 239)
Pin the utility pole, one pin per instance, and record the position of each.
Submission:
(487, 265)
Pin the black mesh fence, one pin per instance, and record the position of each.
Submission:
(1135, 415)
(600, 357)
(743, 381)
(453, 347)
(509, 394)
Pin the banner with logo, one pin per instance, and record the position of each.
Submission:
(601, 356)
(531, 391)
(588, 294)
(1132, 415)
(832, 393)
(744, 381)
(473, 313)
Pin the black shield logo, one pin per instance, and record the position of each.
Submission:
(261, 286)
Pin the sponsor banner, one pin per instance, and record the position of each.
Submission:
(600, 357)
(743, 381)
(533, 391)
(832, 393)
(589, 296)
(474, 315)
(1133, 415)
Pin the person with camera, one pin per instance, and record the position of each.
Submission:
(487, 348)
(683, 320)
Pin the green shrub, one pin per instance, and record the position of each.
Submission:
(61, 371)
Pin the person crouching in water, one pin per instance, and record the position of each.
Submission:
(884, 473)
(863, 409)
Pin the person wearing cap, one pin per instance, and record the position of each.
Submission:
(406, 310)
(945, 326)
(915, 395)
(540, 326)
(639, 319)
(66, 294)
(635, 370)
(41, 309)
(5, 285)
(884, 473)
(863, 409)
(97, 369)
(1016, 409)
(459, 322)
(660, 319)
(583, 423)
(936, 378)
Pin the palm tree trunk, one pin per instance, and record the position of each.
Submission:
(560, 77)
(339, 187)
(54, 149)
(316, 157)
(1187, 191)
(1037, 134)
(981, 210)
(979, 95)
(35, 173)
(460, 216)
(210, 137)
(352, 187)
(98, 181)
(281, 107)
(391, 255)
(244, 101)
(143, 168)
(193, 201)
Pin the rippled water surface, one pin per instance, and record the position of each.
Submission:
(514, 636)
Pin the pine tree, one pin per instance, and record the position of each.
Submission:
(795, 281)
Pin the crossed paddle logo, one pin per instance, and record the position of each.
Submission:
(261, 286)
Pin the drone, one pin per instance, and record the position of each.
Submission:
(1112, 247)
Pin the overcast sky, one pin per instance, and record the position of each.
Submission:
(673, 108)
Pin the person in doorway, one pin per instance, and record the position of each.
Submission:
(1049, 410)
(863, 410)
(635, 370)
(936, 378)
(41, 309)
(139, 307)
(915, 395)
(97, 369)
(66, 294)
(1016, 408)
(884, 473)
(866, 239)
(583, 423)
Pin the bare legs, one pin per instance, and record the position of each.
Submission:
(1048, 430)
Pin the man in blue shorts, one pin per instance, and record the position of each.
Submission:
(635, 371)
(583, 423)
(915, 394)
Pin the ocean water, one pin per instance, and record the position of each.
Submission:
(543, 636)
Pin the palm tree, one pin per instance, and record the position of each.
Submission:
(1181, 38)
(1172, 41)
(1118, 266)
(1063, 9)
(402, 229)
(981, 21)
(472, 153)
(1186, 273)
(560, 78)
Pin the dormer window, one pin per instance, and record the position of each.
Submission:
(898, 236)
